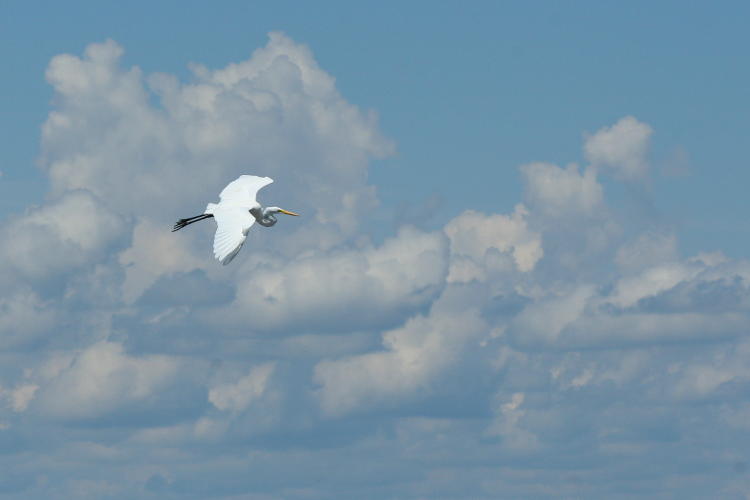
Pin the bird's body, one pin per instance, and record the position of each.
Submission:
(235, 214)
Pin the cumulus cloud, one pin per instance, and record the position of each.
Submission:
(414, 356)
(105, 135)
(103, 379)
(629, 290)
(237, 396)
(21, 396)
(561, 192)
(482, 244)
(621, 147)
(50, 242)
(24, 319)
(543, 320)
(18, 398)
(154, 253)
(646, 250)
(277, 114)
(552, 350)
(505, 424)
(346, 289)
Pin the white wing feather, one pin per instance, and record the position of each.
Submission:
(232, 225)
(243, 190)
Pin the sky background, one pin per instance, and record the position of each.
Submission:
(521, 270)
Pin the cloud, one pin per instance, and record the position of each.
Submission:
(276, 114)
(481, 243)
(505, 425)
(103, 379)
(629, 290)
(237, 396)
(545, 319)
(414, 356)
(105, 136)
(341, 290)
(50, 242)
(621, 147)
(25, 319)
(562, 192)
(18, 399)
(648, 249)
(565, 348)
(154, 253)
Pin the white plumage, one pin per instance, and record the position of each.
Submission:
(235, 214)
(232, 225)
(243, 190)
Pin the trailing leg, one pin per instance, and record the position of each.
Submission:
(184, 222)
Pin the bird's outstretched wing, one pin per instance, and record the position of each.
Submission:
(243, 190)
(232, 224)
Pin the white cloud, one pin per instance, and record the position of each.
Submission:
(702, 378)
(602, 330)
(568, 333)
(24, 318)
(21, 396)
(542, 321)
(276, 114)
(475, 235)
(102, 379)
(559, 192)
(506, 425)
(415, 356)
(73, 232)
(647, 250)
(567, 208)
(237, 396)
(155, 252)
(355, 288)
(630, 289)
(621, 147)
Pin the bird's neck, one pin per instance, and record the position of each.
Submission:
(264, 216)
(258, 212)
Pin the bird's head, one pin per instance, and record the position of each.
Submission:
(277, 210)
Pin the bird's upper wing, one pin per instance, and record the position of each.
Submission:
(232, 224)
(244, 189)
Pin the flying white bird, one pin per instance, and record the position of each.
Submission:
(235, 214)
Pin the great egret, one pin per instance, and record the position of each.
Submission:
(235, 214)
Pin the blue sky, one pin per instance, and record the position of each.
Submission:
(521, 269)
(474, 89)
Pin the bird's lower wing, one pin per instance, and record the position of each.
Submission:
(232, 224)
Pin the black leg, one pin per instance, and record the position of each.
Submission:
(184, 222)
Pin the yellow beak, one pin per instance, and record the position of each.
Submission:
(288, 212)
